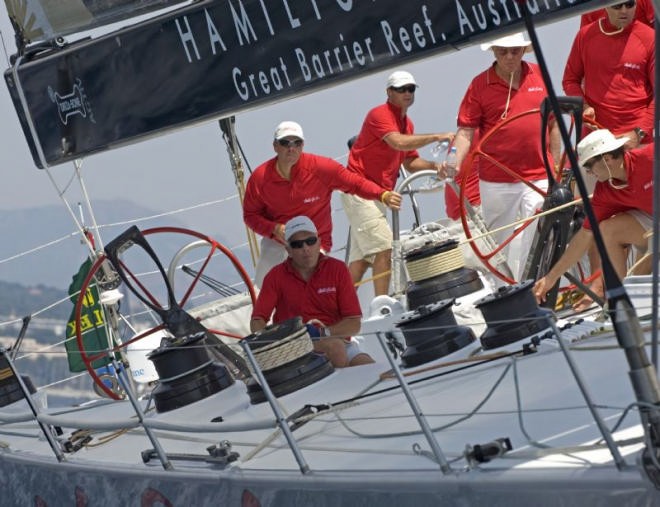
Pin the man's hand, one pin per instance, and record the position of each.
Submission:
(278, 232)
(540, 289)
(392, 200)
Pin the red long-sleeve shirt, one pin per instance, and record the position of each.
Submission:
(615, 74)
(271, 199)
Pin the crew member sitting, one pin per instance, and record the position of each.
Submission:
(319, 289)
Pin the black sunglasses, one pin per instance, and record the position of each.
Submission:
(403, 89)
(298, 243)
(290, 144)
(628, 5)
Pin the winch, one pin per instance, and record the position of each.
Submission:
(285, 354)
(512, 314)
(437, 271)
(431, 332)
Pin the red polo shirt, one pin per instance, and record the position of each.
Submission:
(644, 13)
(270, 199)
(371, 156)
(614, 74)
(608, 201)
(517, 145)
(328, 296)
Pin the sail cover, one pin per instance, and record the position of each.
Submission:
(39, 20)
(217, 58)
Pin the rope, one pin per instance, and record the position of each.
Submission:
(524, 220)
(435, 265)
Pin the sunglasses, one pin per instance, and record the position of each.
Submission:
(404, 89)
(298, 243)
(286, 143)
(628, 5)
(500, 51)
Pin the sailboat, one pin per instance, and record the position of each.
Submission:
(476, 395)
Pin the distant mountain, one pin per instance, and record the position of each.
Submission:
(28, 230)
(19, 301)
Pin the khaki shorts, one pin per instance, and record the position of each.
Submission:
(370, 232)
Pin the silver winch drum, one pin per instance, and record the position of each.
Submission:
(431, 332)
(437, 271)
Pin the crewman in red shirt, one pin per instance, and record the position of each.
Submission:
(643, 13)
(622, 203)
(510, 86)
(297, 183)
(386, 142)
(612, 66)
(317, 288)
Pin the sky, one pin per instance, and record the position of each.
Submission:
(191, 166)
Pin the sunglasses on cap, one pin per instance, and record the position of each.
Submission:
(298, 243)
(628, 5)
(287, 143)
(403, 89)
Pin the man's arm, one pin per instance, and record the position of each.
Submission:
(257, 324)
(555, 142)
(348, 326)
(577, 247)
(408, 142)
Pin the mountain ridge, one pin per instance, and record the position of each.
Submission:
(43, 248)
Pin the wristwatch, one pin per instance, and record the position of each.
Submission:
(639, 133)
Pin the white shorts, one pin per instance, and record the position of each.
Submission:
(272, 253)
(646, 221)
(370, 232)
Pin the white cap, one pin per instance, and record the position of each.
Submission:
(298, 224)
(288, 128)
(400, 78)
(597, 143)
(517, 40)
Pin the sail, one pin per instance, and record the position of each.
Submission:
(217, 58)
(39, 20)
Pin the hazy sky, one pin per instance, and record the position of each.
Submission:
(184, 168)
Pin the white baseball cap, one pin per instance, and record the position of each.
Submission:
(597, 143)
(298, 224)
(517, 40)
(288, 129)
(400, 78)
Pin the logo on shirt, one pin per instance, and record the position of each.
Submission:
(326, 290)
(535, 89)
(308, 200)
(634, 66)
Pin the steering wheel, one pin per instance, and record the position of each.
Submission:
(490, 253)
(154, 292)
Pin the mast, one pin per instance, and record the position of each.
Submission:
(227, 125)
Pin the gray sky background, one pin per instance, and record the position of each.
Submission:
(191, 166)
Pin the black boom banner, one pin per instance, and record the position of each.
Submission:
(216, 58)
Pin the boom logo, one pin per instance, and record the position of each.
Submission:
(74, 103)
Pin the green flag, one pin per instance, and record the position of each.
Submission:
(92, 323)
